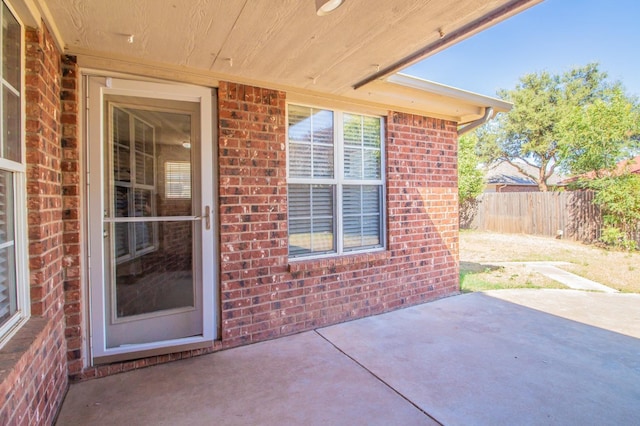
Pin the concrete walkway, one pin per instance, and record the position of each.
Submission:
(508, 357)
(551, 270)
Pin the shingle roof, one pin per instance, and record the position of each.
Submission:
(507, 174)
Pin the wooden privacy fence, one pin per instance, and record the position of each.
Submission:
(569, 214)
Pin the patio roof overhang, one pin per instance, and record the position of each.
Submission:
(352, 54)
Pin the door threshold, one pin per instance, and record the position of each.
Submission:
(146, 353)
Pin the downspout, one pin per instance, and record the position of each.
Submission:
(488, 114)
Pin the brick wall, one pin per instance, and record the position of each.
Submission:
(71, 215)
(34, 376)
(262, 294)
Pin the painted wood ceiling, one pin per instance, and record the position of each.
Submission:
(279, 43)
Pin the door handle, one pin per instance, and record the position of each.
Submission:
(207, 218)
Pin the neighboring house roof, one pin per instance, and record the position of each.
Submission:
(625, 166)
(352, 54)
(503, 173)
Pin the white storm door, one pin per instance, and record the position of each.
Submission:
(151, 227)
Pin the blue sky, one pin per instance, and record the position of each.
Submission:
(554, 36)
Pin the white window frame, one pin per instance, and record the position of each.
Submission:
(18, 169)
(339, 181)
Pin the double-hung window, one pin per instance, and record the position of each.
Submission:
(14, 304)
(335, 182)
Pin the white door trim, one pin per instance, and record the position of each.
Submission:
(97, 88)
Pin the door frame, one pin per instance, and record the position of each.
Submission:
(96, 86)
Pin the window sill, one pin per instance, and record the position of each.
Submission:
(368, 258)
(19, 344)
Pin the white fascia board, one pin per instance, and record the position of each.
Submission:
(453, 93)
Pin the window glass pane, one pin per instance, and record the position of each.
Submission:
(322, 127)
(311, 223)
(8, 289)
(322, 161)
(370, 231)
(11, 125)
(6, 207)
(300, 201)
(10, 49)
(362, 214)
(352, 129)
(299, 123)
(322, 235)
(310, 142)
(352, 232)
(371, 130)
(299, 160)
(371, 199)
(322, 200)
(352, 163)
(362, 151)
(299, 237)
(8, 300)
(372, 164)
(351, 200)
(371, 215)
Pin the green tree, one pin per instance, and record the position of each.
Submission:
(560, 121)
(619, 200)
(470, 176)
(596, 136)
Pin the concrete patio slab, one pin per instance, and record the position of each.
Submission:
(481, 358)
(615, 312)
(296, 380)
(477, 359)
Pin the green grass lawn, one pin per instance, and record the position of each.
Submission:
(475, 278)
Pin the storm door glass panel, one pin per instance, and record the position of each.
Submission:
(151, 235)
(8, 302)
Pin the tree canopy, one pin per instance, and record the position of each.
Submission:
(470, 176)
(577, 121)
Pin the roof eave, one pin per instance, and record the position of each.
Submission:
(412, 94)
